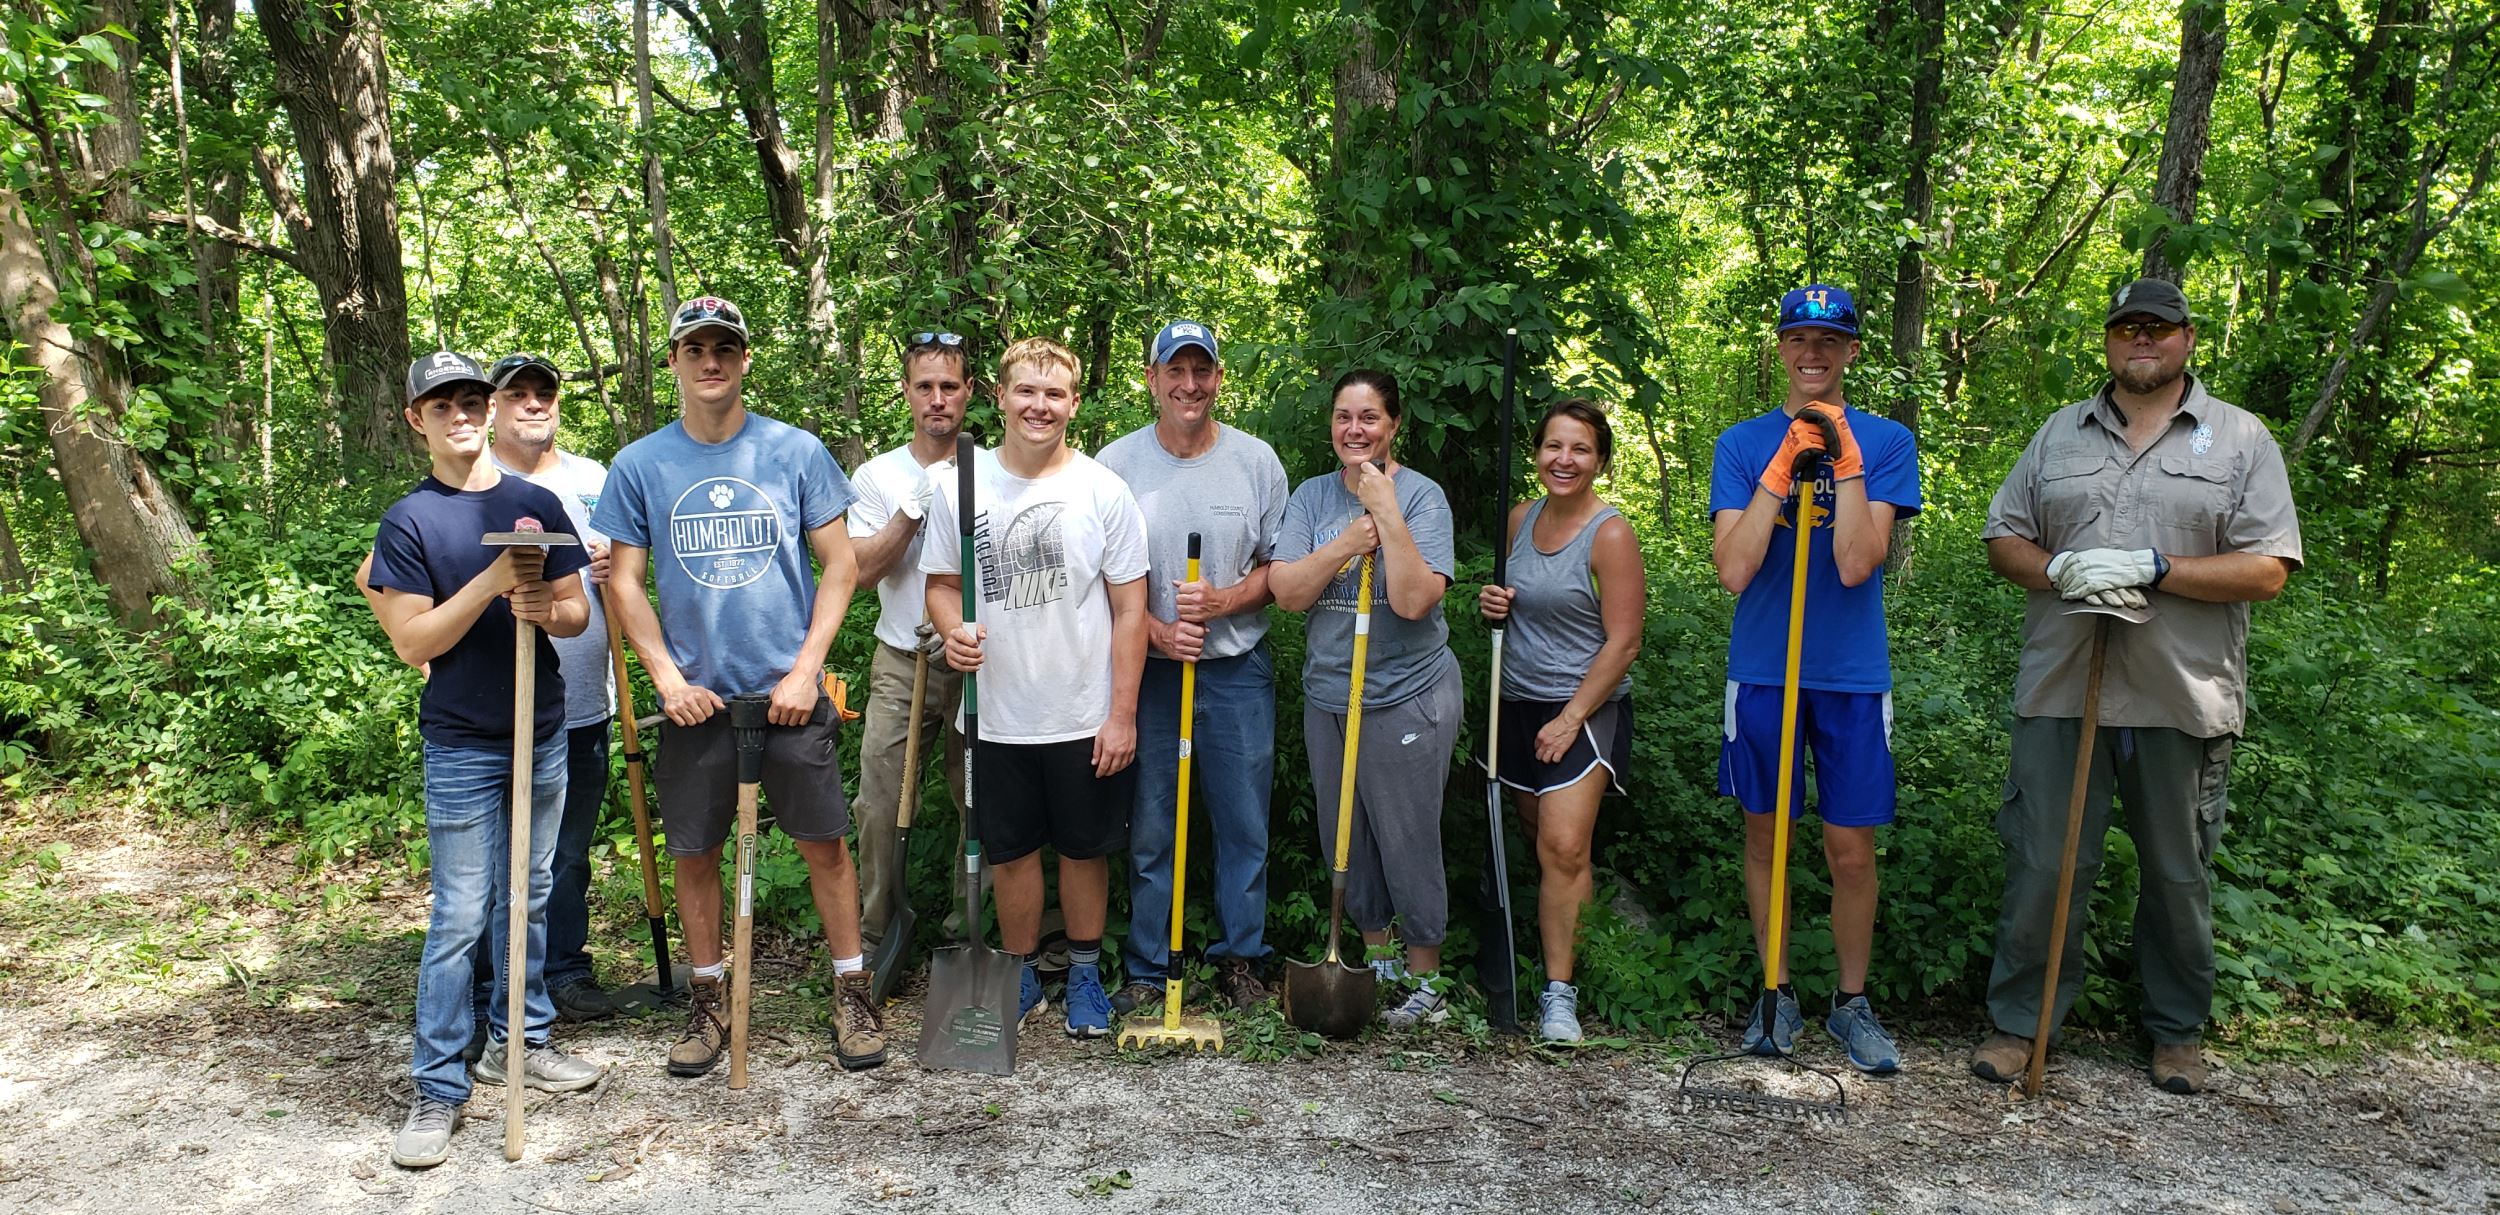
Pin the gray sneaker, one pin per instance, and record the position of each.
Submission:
(425, 1139)
(1784, 1026)
(1423, 1006)
(544, 1068)
(1869, 1044)
(1559, 1009)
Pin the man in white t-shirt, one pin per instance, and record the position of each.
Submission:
(1060, 642)
(526, 387)
(887, 530)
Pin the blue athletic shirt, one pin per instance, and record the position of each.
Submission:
(429, 544)
(1844, 638)
(726, 525)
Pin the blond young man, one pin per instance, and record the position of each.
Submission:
(1059, 646)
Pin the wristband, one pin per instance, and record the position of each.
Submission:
(2161, 568)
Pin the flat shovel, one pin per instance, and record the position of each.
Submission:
(2037, 1072)
(894, 946)
(1328, 997)
(970, 1019)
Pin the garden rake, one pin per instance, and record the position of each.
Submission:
(1711, 1090)
(1173, 1029)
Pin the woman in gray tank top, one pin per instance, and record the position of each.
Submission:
(1574, 610)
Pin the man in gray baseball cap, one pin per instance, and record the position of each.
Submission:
(2149, 494)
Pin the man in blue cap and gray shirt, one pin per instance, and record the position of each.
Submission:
(1844, 701)
(1193, 474)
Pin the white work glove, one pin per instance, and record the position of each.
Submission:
(2080, 572)
(916, 506)
(2130, 597)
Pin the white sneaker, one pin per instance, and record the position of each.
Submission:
(542, 1067)
(1560, 1013)
(1389, 970)
(1423, 1006)
(425, 1139)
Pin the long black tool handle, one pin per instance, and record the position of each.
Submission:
(1501, 981)
(970, 574)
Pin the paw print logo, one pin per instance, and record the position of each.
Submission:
(720, 495)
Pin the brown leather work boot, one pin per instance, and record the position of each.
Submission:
(1239, 981)
(858, 1024)
(2001, 1057)
(706, 1035)
(2179, 1067)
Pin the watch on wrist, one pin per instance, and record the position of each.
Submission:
(2161, 567)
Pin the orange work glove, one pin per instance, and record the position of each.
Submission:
(1804, 436)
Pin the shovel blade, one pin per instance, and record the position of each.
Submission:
(971, 1015)
(886, 966)
(1330, 998)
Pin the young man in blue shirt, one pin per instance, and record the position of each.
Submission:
(723, 509)
(448, 603)
(1845, 680)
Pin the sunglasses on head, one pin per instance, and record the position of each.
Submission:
(2159, 331)
(934, 338)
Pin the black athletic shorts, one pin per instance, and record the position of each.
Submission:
(696, 775)
(1026, 795)
(1605, 741)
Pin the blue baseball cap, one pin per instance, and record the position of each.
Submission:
(1819, 306)
(1178, 335)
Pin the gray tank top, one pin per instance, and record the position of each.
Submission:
(1555, 626)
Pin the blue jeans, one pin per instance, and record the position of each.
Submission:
(568, 908)
(468, 811)
(1233, 766)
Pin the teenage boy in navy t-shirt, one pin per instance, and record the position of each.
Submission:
(1844, 702)
(448, 600)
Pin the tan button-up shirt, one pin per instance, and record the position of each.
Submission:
(2212, 483)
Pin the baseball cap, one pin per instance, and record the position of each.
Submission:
(1178, 335)
(2157, 298)
(1819, 306)
(706, 310)
(429, 372)
(511, 365)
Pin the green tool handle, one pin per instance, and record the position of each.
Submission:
(969, 574)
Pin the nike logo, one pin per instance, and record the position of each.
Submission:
(1408, 739)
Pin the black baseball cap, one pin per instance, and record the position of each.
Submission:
(428, 373)
(511, 365)
(2157, 298)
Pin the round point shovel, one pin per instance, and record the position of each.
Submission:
(1329, 997)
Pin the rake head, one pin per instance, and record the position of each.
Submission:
(1196, 1033)
(1724, 1077)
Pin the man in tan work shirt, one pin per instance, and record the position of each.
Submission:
(2149, 494)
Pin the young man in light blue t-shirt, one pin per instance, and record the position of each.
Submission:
(1844, 703)
(714, 507)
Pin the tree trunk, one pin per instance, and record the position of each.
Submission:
(2204, 29)
(128, 521)
(331, 77)
(654, 187)
(1367, 87)
(1909, 278)
(13, 577)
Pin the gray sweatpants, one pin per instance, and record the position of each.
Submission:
(2173, 786)
(1393, 868)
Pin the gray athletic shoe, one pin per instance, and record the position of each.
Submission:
(1559, 1006)
(1423, 1006)
(425, 1139)
(544, 1068)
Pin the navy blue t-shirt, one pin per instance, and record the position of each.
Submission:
(1844, 643)
(429, 545)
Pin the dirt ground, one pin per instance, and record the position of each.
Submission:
(202, 1028)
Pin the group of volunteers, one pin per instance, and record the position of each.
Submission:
(2150, 496)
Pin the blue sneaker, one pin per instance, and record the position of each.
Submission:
(1871, 1049)
(1786, 1023)
(1029, 995)
(1089, 1007)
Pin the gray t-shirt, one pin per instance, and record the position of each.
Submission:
(1233, 497)
(589, 675)
(1405, 656)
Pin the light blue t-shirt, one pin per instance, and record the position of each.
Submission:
(1844, 635)
(727, 524)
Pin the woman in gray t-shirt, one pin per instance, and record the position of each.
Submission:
(1574, 610)
(1411, 702)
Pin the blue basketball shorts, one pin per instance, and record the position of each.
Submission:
(1848, 733)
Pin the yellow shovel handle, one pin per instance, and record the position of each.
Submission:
(1354, 713)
